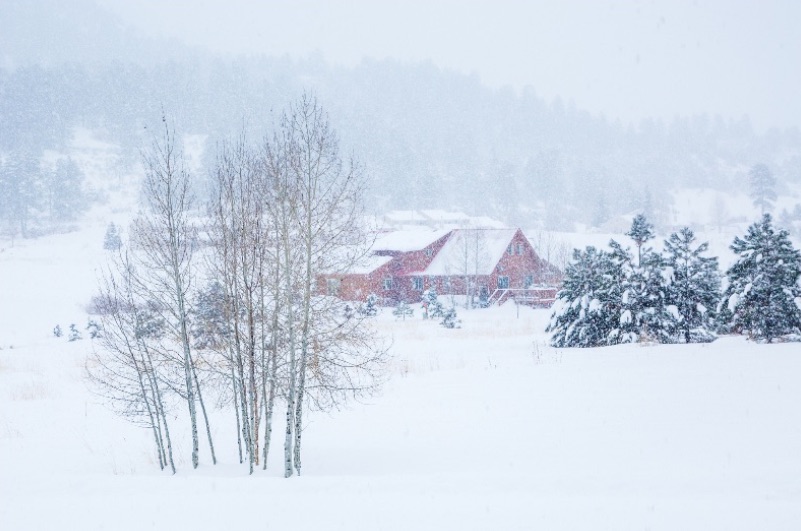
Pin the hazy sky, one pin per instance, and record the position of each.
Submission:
(625, 59)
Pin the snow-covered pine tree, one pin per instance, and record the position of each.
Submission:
(370, 307)
(449, 319)
(587, 308)
(434, 308)
(402, 311)
(647, 299)
(94, 329)
(75, 334)
(210, 326)
(112, 240)
(628, 286)
(641, 231)
(65, 196)
(762, 183)
(694, 291)
(763, 295)
(645, 314)
(19, 197)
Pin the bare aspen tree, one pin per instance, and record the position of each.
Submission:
(283, 192)
(125, 369)
(252, 226)
(259, 335)
(473, 258)
(555, 253)
(280, 195)
(163, 239)
(329, 218)
(240, 259)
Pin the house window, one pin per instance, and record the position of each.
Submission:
(429, 252)
(503, 282)
(509, 250)
(332, 285)
(388, 283)
(417, 283)
(520, 249)
(529, 281)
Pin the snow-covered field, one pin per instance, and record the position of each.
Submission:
(483, 427)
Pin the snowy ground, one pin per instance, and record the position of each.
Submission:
(479, 428)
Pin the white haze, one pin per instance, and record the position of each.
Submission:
(625, 60)
(567, 116)
(558, 117)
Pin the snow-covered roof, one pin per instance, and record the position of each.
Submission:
(445, 216)
(407, 240)
(369, 264)
(435, 218)
(486, 222)
(491, 244)
(404, 216)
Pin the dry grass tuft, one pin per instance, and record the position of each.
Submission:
(30, 391)
(7, 431)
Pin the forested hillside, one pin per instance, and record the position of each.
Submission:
(429, 137)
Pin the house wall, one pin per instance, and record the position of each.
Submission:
(404, 267)
(518, 267)
(408, 265)
(357, 287)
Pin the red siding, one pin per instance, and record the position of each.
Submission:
(405, 266)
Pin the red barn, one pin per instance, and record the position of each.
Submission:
(490, 265)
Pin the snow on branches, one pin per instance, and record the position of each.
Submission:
(607, 298)
(763, 293)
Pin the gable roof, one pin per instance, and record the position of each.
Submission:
(492, 243)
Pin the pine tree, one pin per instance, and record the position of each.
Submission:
(449, 319)
(402, 311)
(762, 183)
(601, 211)
(18, 192)
(75, 334)
(694, 290)
(66, 199)
(94, 329)
(644, 314)
(5, 193)
(641, 232)
(645, 298)
(112, 241)
(587, 309)
(764, 296)
(433, 308)
(627, 326)
(210, 325)
(370, 307)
